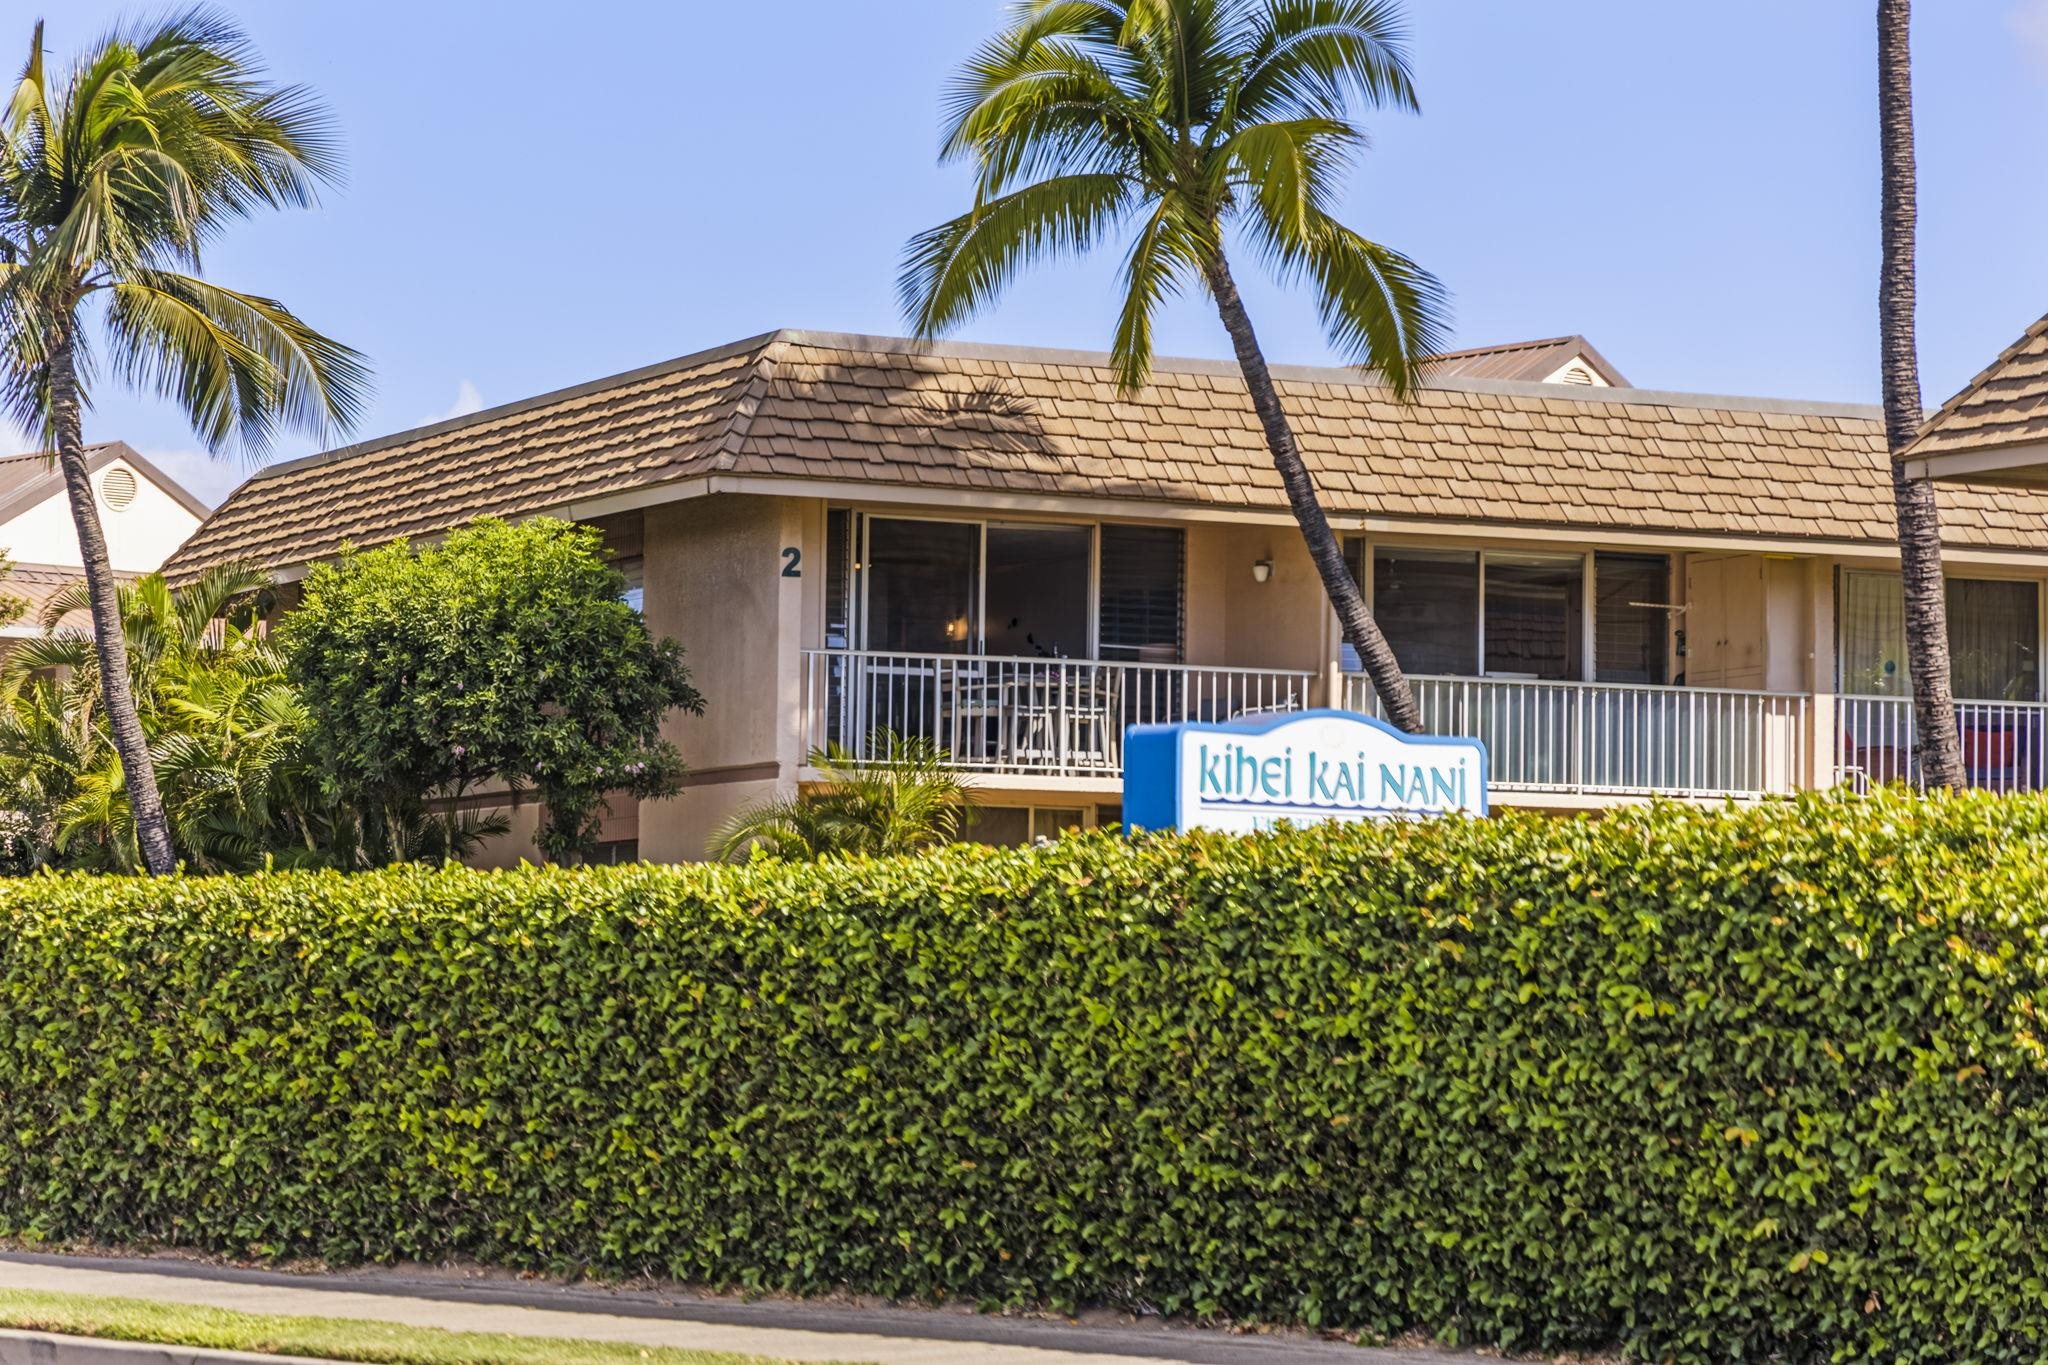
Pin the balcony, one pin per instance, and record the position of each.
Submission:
(1060, 718)
(1064, 719)
(1614, 739)
(2005, 743)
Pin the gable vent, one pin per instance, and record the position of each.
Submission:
(1575, 373)
(117, 489)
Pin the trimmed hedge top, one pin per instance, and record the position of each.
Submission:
(1713, 1084)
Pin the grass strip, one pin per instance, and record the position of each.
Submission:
(350, 1339)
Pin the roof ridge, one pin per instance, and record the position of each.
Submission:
(1331, 374)
(1532, 345)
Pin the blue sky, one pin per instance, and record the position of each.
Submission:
(543, 194)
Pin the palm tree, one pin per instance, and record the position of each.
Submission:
(1927, 653)
(223, 726)
(1182, 118)
(903, 799)
(112, 180)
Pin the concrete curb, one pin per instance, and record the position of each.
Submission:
(48, 1348)
(674, 1315)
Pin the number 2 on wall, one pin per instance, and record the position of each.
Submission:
(791, 558)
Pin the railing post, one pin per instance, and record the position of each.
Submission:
(1823, 742)
(1576, 772)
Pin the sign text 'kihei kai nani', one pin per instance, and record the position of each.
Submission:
(1300, 767)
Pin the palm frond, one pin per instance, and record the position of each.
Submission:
(239, 365)
(900, 796)
(1194, 118)
(959, 268)
(1167, 254)
(1311, 57)
(1379, 309)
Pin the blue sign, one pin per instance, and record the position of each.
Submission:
(1300, 767)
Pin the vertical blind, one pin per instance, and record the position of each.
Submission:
(1142, 593)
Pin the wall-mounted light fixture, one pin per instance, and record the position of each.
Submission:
(1262, 569)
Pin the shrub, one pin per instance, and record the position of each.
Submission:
(901, 796)
(507, 654)
(1717, 1085)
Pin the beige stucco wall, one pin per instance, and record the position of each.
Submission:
(714, 575)
(516, 846)
(1285, 622)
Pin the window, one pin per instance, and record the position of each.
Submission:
(635, 570)
(1510, 614)
(1019, 589)
(840, 530)
(1143, 568)
(1038, 591)
(612, 852)
(1012, 826)
(1630, 626)
(1535, 616)
(1427, 605)
(1994, 630)
(924, 586)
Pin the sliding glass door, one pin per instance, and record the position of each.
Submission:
(1029, 590)
(923, 586)
(1038, 589)
(1517, 615)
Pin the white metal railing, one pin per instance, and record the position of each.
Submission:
(1617, 738)
(1052, 717)
(2005, 743)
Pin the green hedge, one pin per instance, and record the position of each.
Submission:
(1711, 1084)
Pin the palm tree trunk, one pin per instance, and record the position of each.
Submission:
(152, 830)
(1361, 632)
(1927, 654)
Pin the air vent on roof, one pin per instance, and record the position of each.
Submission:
(1575, 373)
(117, 489)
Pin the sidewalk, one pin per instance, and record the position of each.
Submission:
(790, 1330)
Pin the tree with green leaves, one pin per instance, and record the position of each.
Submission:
(904, 796)
(222, 724)
(113, 179)
(504, 657)
(1185, 121)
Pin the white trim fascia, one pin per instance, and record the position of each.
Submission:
(1963, 466)
(975, 503)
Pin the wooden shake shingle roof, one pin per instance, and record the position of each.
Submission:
(877, 416)
(2005, 405)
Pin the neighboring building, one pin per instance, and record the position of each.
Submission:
(144, 512)
(1559, 360)
(1623, 592)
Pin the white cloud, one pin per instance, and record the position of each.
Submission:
(2028, 20)
(468, 399)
